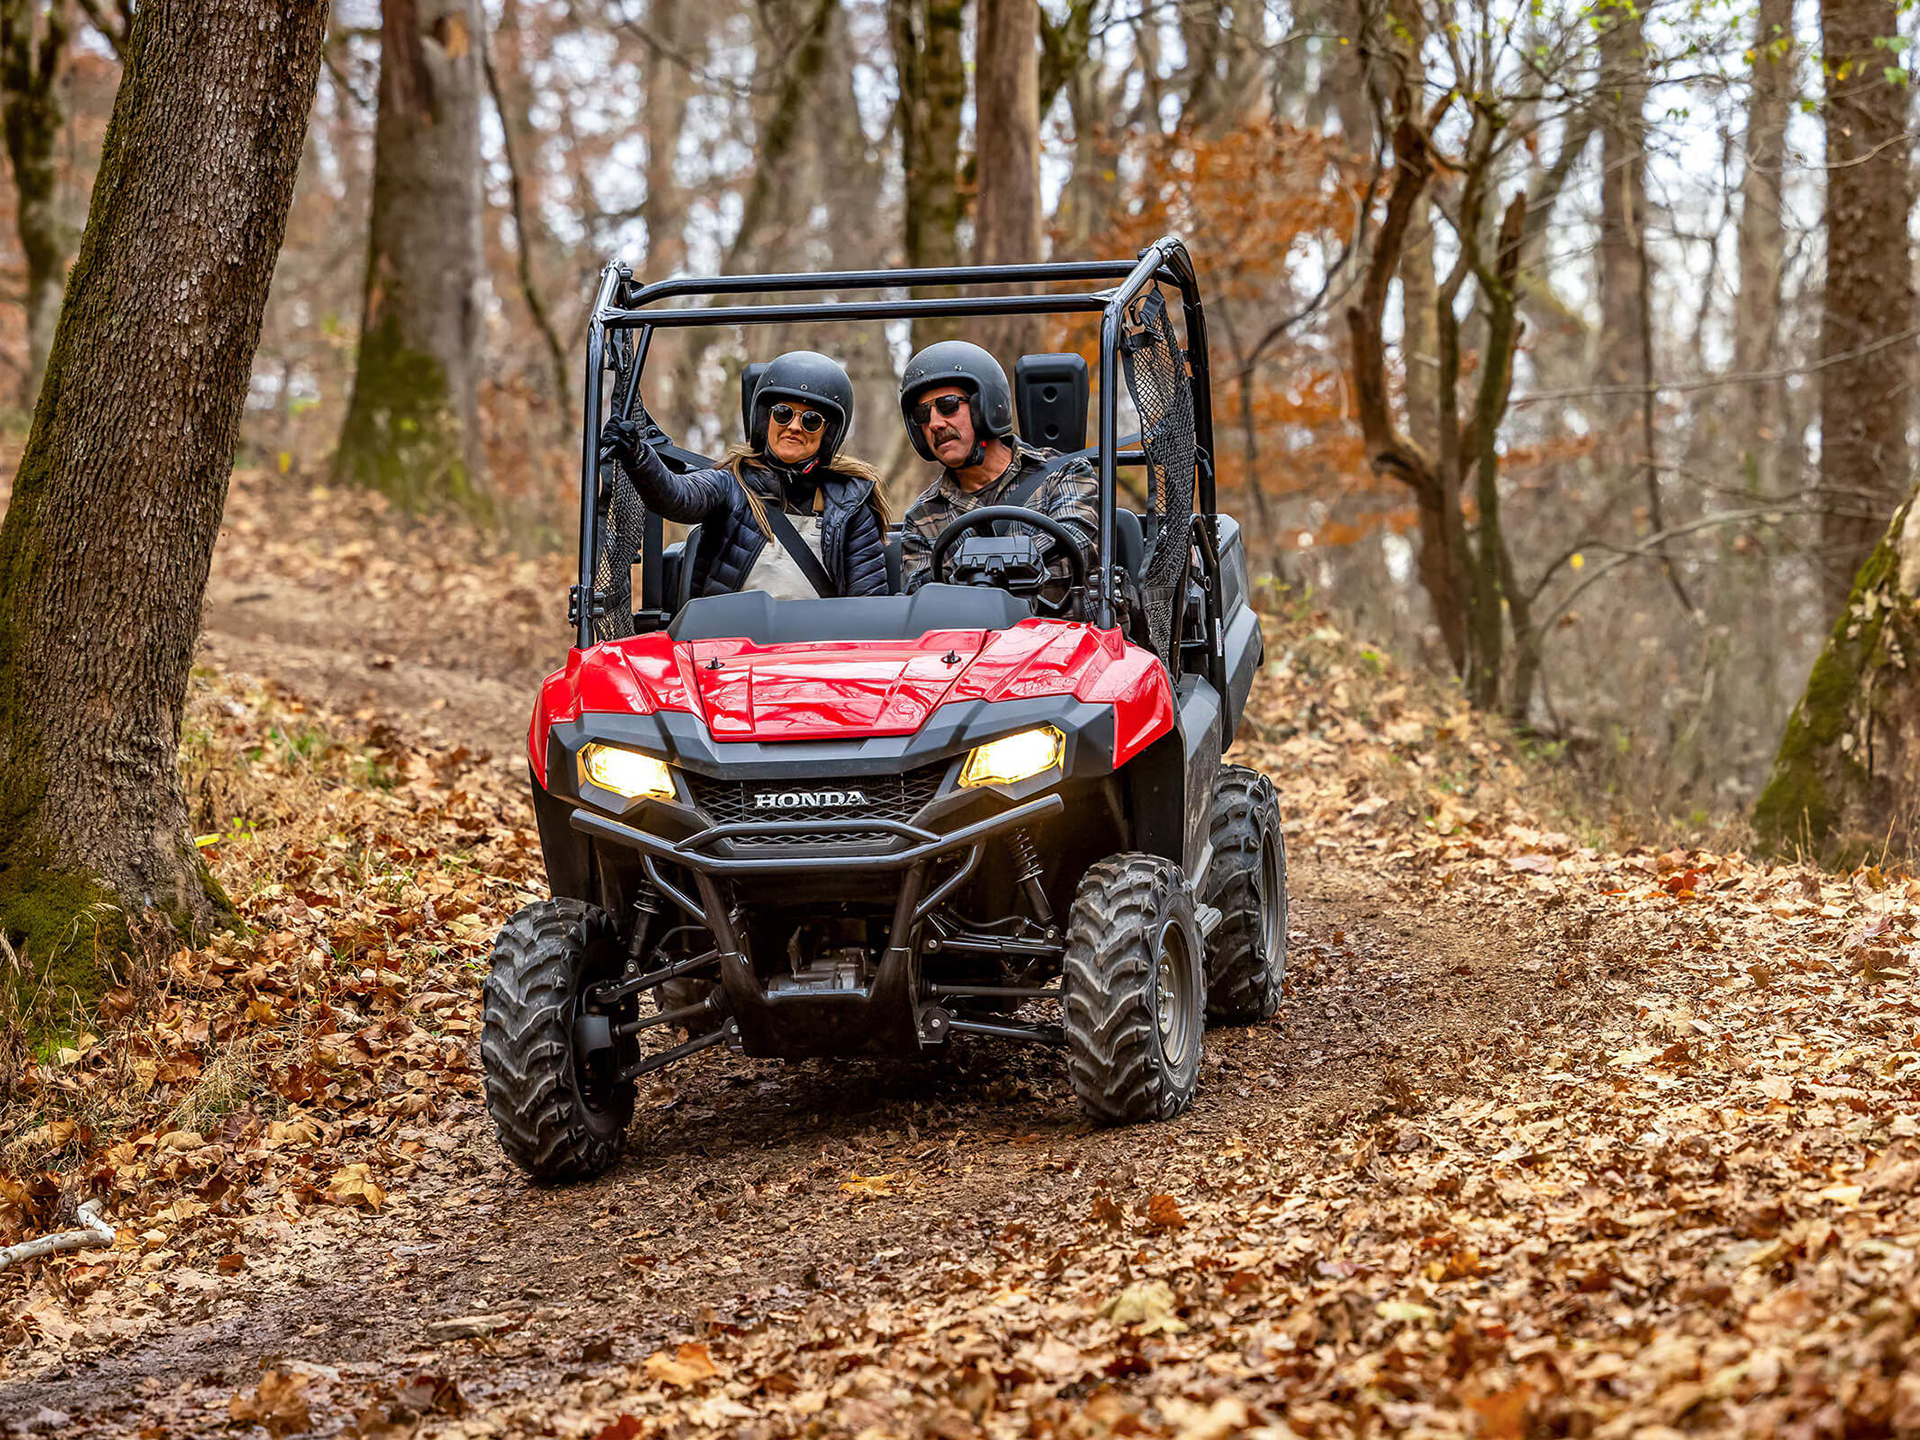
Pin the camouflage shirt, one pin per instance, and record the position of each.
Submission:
(1070, 495)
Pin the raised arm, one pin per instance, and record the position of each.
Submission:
(687, 499)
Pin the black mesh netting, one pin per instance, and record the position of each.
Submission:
(1156, 371)
(622, 516)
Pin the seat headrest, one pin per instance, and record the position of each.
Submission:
(1050, 395)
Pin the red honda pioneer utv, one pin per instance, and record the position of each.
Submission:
(837, 827)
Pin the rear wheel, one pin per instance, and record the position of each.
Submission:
(1247, 883)
(551, 1088)
(1135, 991)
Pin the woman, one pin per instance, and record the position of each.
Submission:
(791, 470)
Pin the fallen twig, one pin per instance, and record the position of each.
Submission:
(99, 1232)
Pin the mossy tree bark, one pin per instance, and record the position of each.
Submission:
(412, 428)
(1846, 783)
(105, 549)
(33, 41)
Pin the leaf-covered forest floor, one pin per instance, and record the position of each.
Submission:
(1554, 1135)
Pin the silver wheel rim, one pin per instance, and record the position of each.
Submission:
(1173, 994)
(1273, 923)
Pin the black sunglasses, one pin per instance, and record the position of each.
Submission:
(810, 420)
(948, 405)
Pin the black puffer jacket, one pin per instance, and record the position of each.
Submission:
(853, 541)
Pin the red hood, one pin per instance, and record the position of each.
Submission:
(831, 688)
(846, 689)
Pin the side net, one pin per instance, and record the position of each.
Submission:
(1156, 372)
(622, 527)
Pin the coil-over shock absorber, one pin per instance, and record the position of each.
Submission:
(1026, 861)
(646, 905)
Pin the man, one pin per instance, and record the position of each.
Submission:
(959, 413)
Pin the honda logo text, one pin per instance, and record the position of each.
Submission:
(808, 799)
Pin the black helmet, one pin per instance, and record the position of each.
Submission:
(968, 367)
(814, 381)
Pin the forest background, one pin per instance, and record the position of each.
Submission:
(1531, 323)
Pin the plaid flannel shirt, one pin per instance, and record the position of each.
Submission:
(1070, 495)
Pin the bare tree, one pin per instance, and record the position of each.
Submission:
(512, 101)
(1006, 224)
(106, 545)
(927, 58)
(1761, 404)
(33, 41)
(1867, 322)
(413, 426)
(1467, 574)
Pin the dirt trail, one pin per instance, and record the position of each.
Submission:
(733, 1211)
(315, 644)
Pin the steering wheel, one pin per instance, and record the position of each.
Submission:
(988, 515)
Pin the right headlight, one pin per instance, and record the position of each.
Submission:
(626, 772)
(1019, 756)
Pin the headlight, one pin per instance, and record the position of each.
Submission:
(1013, 757)
(626, 772)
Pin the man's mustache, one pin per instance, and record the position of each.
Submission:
(942, 435)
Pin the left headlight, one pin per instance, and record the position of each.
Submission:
(626, 772)
(1019, 756)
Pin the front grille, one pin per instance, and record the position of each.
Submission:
(888, 797)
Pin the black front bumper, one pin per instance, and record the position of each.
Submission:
(925, 845)
(894, 862)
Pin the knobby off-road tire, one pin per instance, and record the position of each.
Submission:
(1135, 991)
(1247, 883)
(557, 1118)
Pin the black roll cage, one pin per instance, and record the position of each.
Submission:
(625, 316)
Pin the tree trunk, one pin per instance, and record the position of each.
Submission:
(1343, 80)
(30, 100)
(1419, 292)
(413, 425)
(790, 61)
(1622, 338)
(664, 207)
(1092, 189)
(1868, 310)
(1420, 332)
(1846, 781)
(1007, 215)
(520, 144)
(933, 89)
(849, 170)
(105, 549)
(1761, 237)
(1431, 477)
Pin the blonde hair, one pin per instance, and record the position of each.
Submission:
(738, 457)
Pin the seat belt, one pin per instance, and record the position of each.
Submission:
(1028, 487)
(789, 540)
(1023, 492)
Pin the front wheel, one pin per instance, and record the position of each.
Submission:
(1134, 992)
(557, 1105)
(1247, 883)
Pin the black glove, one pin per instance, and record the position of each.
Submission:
(622, 440)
